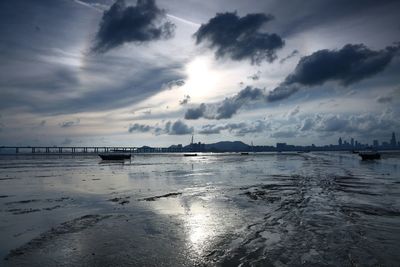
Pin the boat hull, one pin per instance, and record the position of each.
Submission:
(369, 156)
(115, 156)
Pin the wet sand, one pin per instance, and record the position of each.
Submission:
(313, 209)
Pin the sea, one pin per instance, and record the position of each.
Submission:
(227, 209)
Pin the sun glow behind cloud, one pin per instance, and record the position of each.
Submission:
(202, 80)
(206, 81)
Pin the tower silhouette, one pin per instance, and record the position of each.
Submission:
(393, 140)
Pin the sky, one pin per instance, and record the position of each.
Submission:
(146, 72)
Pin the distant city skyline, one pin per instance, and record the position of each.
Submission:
(221, 146)
(375, 143)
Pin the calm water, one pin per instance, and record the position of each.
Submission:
(281, 209)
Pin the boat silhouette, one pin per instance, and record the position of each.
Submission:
(369, 155)
(115, 156)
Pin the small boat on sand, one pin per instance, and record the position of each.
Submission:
(370, 155)
(115, 156)
(190, 155)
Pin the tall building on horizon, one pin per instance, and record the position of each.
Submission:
(376, 143)
(393, 140)
(340, 141)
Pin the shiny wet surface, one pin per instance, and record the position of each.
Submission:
(311, 209)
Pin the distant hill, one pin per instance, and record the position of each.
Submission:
(227, 146)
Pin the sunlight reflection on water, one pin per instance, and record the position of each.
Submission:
(222, 208)
(200, 223)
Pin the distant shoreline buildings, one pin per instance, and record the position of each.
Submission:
(343, 144)
(223, 146)
(375, 143)
(352, 144)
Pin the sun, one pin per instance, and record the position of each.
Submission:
(202, 79)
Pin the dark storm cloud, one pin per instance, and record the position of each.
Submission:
(211, 129)
(195, 113)
(178, 128)
(237, 129)
(216, 129)
(141, 23)
(170, 128)
(230, 106)
(348, 65)
(240, 37)
(227, 108)
(142, 128)
(252, 128)
(281, 92)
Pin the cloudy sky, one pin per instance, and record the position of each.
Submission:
(146, 72)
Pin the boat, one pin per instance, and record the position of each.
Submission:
(190, 155)
(370, 155)
(115, 156)
(244, 153)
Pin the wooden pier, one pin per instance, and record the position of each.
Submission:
(56, 150)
